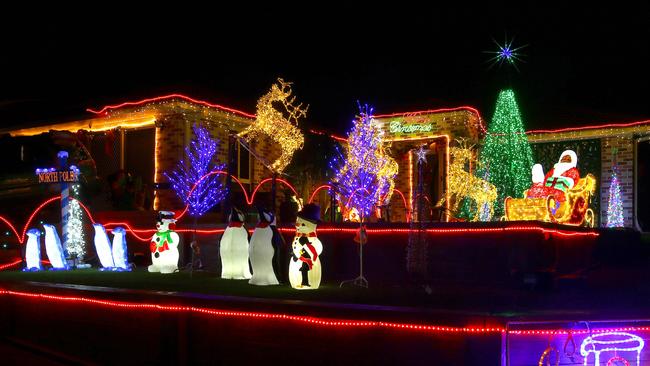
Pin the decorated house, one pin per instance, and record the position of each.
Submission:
(600, 149)
(435, 130)
(138, 141)
(129, 146)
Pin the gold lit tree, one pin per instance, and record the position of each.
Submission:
(280, 126)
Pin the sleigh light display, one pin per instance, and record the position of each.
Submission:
(574, 210)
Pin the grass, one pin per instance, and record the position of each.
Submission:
(210, 283)
(645, 238)
(493, 299)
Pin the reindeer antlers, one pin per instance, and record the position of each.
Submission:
(462, 143)
(295, 112)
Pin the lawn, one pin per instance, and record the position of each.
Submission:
(211, 283)
(496, 299)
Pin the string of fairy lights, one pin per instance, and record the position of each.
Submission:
(76, 245)
(189, 181)
(506, 158)
(511, 175)
(364, 172)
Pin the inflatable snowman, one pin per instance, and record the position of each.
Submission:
(164, 245)
(265, 245)
(33, 251)
(304, 265)
(233, 248)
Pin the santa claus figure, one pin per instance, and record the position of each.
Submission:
(558, 180)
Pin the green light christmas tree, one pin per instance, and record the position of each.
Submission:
(506, 158)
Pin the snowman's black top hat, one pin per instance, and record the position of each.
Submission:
(165, 215)
(310, 212)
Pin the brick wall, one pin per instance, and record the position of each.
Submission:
(174, 132)
(170, 142)
(457, 124)
(625, 162)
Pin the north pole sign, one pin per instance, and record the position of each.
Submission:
(57, 176)
(66, 176)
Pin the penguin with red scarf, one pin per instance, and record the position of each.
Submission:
(306, 248)
(265, 245)
(563, 176)
(164, 245)
(233, 248)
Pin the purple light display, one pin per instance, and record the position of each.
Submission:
(201, 160)
(597, 343)
(364, 173)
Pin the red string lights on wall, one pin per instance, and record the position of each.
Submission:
(249, 200)
(108, 108)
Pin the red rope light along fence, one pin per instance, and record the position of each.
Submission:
(143, 235)
(217, 313)
(312, 320)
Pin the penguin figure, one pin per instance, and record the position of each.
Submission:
(233, 248)
(33, 251)
(54, 249)
(119, 250)
(265, 244)
(103, 248)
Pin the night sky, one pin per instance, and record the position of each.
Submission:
(582, 65)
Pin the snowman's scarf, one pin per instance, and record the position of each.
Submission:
(165, 238)
(312, 249)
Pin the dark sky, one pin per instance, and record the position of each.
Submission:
(583, 65)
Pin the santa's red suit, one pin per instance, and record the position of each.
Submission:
(558, 180)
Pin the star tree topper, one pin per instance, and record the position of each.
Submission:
(506, 53)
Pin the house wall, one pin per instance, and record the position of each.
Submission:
(442, 127)
(625, 161)
(173, 132)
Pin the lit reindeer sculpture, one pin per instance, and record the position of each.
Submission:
(271, 122)
(463, 184)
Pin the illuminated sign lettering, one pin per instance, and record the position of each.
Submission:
(57, 176)
(399, 127)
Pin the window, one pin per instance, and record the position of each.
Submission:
(243, 164)
(643, 191)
